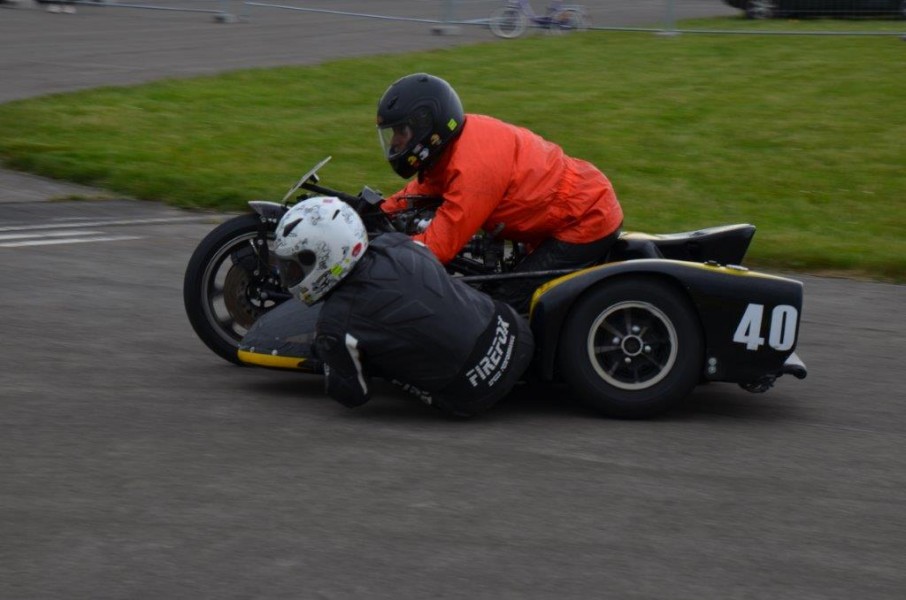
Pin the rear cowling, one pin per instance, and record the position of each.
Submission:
(749, 320)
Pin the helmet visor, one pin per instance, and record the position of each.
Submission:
(401, 137)
(294, 270)
(395, 140)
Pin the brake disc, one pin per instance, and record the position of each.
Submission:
(240, 295)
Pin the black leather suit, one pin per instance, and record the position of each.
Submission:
(400, 316)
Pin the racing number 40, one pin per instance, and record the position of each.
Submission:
(781, 332)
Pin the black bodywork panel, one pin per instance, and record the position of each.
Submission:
(749, 320)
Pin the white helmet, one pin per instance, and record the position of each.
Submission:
(318, 242)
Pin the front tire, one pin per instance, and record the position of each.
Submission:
(227, 287)
(632, 348)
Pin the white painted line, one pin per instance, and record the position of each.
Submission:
(111, 238)
(46, 234)
(103, 223)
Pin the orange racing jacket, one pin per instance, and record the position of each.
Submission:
(508, 180)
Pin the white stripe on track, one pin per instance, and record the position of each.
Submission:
(45, 234)
(107, 223)
(109, 238)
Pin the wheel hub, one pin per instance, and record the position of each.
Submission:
(632, 345)
(242, 297)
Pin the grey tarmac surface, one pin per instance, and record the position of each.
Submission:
(136, 464)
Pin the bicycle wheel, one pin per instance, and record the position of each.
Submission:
(508, 22)
(570, 19)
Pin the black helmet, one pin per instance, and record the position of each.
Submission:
(417, 117)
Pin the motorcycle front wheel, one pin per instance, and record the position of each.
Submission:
(228, 285)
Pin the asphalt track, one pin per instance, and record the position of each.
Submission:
(136, 464)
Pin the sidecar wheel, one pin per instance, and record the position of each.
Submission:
(225, 288)
(632, 348)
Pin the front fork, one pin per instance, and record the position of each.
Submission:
(268, 281)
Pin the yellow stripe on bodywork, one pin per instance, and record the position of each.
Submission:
(732, 270)
(270, 360)
(544, 287)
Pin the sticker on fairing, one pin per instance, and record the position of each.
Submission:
(781, 327)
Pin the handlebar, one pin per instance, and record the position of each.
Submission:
(484, 257)
(479, 261)
(353, 201)
(367, 205)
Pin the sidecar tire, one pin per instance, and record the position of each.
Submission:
(216, 336)
(632, 348)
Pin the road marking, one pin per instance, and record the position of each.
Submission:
(70, 240)
(75, 231)
(107, 223)
(45, 234)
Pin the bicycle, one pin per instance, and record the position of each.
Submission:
(511, 20)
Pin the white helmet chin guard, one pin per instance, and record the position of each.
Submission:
(318, 243)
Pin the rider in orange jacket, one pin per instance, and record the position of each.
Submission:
(494, 176)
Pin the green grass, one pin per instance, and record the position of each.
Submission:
(803, 136)
(803, 25)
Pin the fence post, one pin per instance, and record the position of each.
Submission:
(447, 18)
(670, 20)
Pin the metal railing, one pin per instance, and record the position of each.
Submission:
(749, 17)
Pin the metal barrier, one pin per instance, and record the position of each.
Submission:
(361, 15)
(225, 11)
(745, 17)
(221, 9)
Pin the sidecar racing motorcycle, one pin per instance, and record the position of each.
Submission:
(631, 336)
